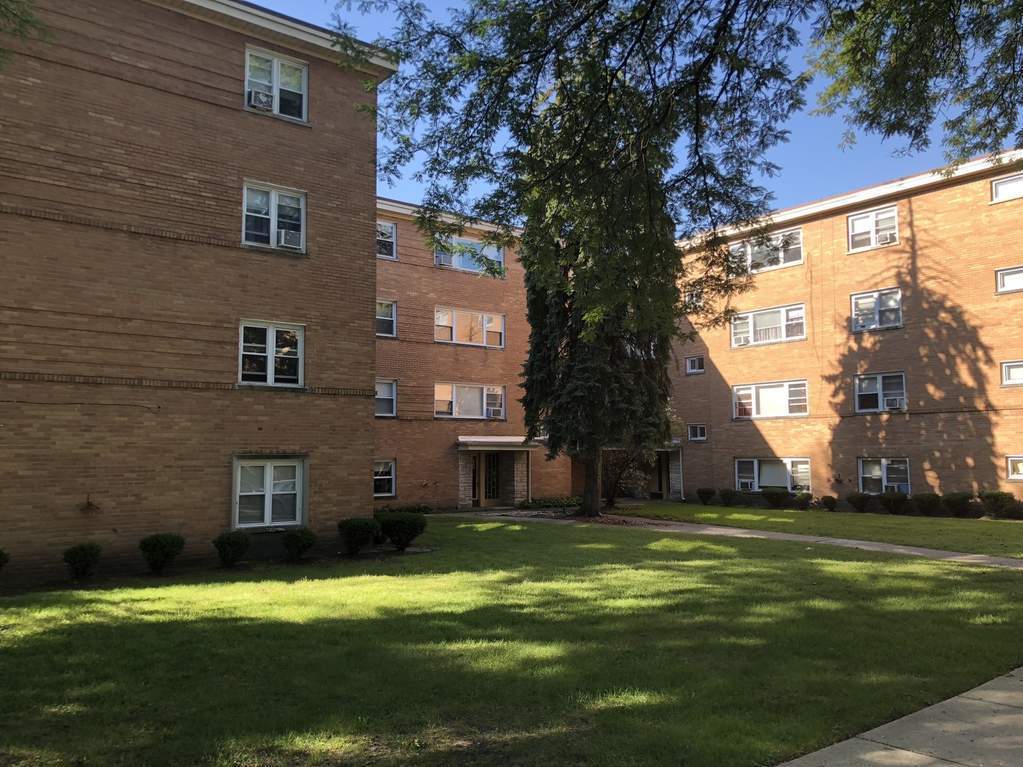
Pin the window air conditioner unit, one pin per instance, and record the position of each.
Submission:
(287, 238)
(261, 100)
(894, 403)
(742, 341)
(495, 412)
(885, 238)
(444, 259)
(746, 484)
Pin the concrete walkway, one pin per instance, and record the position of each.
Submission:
(691, 528)
(980, 728)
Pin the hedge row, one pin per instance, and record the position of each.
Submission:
(400, 527)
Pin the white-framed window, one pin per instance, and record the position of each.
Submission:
(386, 403)
(777, 251)
(387, 318)
(697, 432)
(873, 229)
(1014, 467)
(270, 353)
(769, 326)
(385, 478)
(274, 217)
(468, 401)
(695, 365)
(462, 326)
(770, 400)
(1007, 188)
(1009, 280)
(268, 492)
(1012, 373)
(881, 475)
(276, 84)
(755, 474)
(464, 254)
(880, 391)
(387, 240)
(877, 309)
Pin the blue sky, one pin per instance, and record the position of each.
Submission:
(812, 164)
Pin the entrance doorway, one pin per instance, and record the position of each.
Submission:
(491, 479)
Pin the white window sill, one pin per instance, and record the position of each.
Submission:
(872, 247)
(769, 417)
(695, 372)
(387, 335)
(388, 495)
(881, 412)
(471, 346)
(386, 258)
(273, 527)
(766, 269)
(878, 329)
(1007, 199)
(387, 415)
(770, 343)
(270, 386)
(698, 440)
(479, 272)
(467, 418)
(1006, 292)
(274, 249)
(278, 116)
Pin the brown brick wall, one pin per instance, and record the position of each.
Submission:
(121, 176)
(961, 422)
(424, 446)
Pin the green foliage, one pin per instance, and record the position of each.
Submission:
(359, 532)
(231, 547)
(828, 502)
(624, 469)
(401, 528)
(728, 495)
(415, 508)
(894, 502)
(705, 494)
(776, 497)
(998, 505)
(297, 541)
(929, 505)
(560, 502)
(4, 558)
(82, 560)
(859, 501)
(160, 549)
(961, 504)
(802, 501)
(18, 20)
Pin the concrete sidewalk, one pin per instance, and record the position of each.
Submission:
(980, 728)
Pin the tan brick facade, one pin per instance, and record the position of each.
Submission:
(423, 445)
(960, 422)
(126, 147)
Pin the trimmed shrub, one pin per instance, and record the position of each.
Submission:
(401, 528)
(4, 558)
(1015, 511)
(859, 501)
(961, 505)
(297, 541)
(231, 547)
(560, 502)
(894, 502)
(828, 502)
(359, 532)
(728, 495)
(998, 504)
(416, 508)
(160, 550)
(705, 494)
(776, 497)
(802, 501)
(929, 504)
(82, 560)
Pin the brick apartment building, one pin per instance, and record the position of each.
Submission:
(450, 348)
(881, 346)
(187, 208)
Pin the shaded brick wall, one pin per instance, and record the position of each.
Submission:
(121, 175)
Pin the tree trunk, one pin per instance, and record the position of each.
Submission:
(591, 484)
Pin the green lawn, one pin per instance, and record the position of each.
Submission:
(1002, 538)
(509, 644)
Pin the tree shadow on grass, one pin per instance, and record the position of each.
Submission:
(659, 651)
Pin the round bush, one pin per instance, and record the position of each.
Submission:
(929, 504)
(859, 501)
(297, 542)
(998, 505)
(705, 494)
(4, 558)
(82, 560)
(728, 495)
(401, 528)
(160, 550)
(961, 505)
(776, 497)
(828, 502)
(359, 532)
(231, 547)
(802, 501)
(894, 502)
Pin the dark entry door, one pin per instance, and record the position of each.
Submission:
(491, 478)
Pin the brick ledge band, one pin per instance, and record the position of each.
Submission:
(157, 383)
